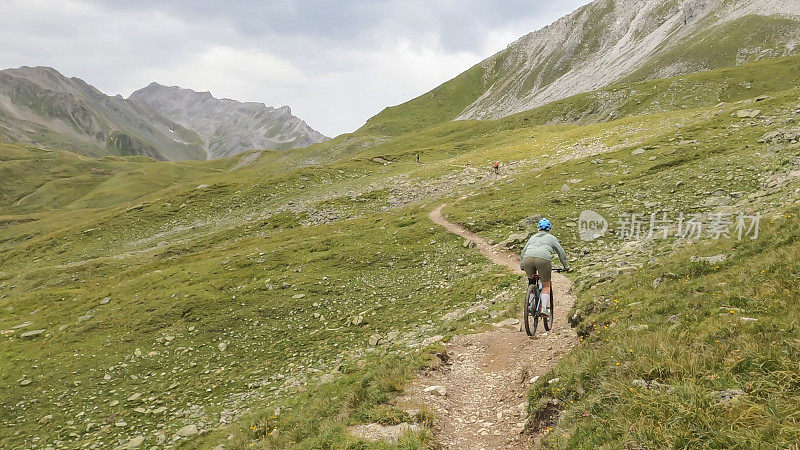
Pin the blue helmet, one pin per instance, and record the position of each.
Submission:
(544, 224)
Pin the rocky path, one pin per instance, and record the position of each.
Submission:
(479, 393)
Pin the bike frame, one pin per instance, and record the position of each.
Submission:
(548, 322)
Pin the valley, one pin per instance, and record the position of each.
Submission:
(362, 292)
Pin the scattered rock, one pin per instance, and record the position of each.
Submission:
(727, 396)
(357, 320)
(665, 276)
(652, 385)
(553, 380)
(137, 353)
(716, 259)
(375, 339)
(662, 386)
(226, 416)
(31, 334)
(135, 442)
(576, 318)
(638, 327)
(375, 432)
(188, 430)
(780, 136)
(222, 346)
(528, 222)
(469, 243)
(22, 325)
(748, 113)
(105, 300)
(510, 322)
(513, 239)
(637, 152)
(534, 379)
(435, 390)
(565, 188)
(135, 397)
(298, 296)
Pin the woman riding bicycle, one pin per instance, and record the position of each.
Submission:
(535, 258)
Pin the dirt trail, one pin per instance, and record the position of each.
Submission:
(487, 374)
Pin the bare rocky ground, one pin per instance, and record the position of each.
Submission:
(478, 392)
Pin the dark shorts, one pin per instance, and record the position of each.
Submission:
(537, 265)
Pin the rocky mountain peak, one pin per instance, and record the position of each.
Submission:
(228, 126)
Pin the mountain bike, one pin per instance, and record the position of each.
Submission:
(532, 310)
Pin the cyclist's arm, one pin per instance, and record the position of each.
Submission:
(522, 255)
(561, 254)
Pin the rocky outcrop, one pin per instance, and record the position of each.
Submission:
(598, 45)
(226, 126)
(609, 40)
(41, 107)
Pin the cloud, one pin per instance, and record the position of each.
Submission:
(335, 63)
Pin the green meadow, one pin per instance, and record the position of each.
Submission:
(275, 298)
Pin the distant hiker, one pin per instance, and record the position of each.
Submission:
(535, 258)
(417, 158)
(496, 167)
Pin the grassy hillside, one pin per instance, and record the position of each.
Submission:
(654, 96)
(695, 332)
(279, 297)
(440, 105)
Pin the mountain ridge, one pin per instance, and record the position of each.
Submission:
(229, 126)
(40, 106)
(606, 40)
(599, 44)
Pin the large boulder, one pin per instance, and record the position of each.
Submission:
(529, 221)
(748, 113)
(514, 239)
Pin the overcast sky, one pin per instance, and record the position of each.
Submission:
(335, 63)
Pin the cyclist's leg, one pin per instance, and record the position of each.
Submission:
(529, 266)
(544, 268)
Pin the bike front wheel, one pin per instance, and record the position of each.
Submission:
(530, 310)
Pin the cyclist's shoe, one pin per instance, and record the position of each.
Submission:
(546, 312)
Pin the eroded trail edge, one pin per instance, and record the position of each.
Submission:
(487, 374)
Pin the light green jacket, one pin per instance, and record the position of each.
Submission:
(542, 245)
